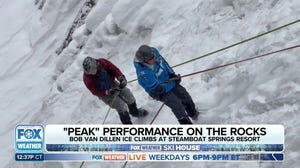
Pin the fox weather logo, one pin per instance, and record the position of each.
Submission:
(29, 138)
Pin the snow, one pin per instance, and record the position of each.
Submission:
(99, 13)
(39, 87)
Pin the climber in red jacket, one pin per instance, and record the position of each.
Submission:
(99, 77)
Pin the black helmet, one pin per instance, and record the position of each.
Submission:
(144, 53)
(90, 65)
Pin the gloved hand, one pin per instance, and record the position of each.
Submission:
(114, 90)
(158, 92)
(123, 81)
(176, 78)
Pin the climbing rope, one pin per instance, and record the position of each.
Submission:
(244, 60)
(222, 66)
(112, 101)
(154, 118)
(156, 114)
(236, 44)
(206, 70)
(232, 45)
(106, 115)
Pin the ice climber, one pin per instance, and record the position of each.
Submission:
(161, 83)
(100, 78)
